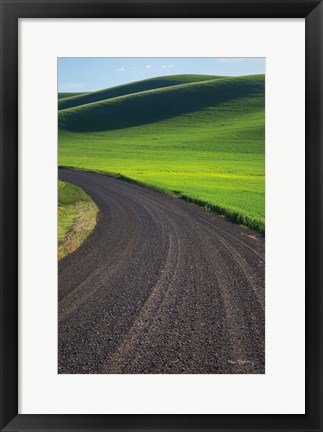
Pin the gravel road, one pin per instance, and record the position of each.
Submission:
(161, 287)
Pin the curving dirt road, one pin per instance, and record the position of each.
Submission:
(160, 286)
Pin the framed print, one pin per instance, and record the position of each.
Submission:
(161, 244)
(169, 328)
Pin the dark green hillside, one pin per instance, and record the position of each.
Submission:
(68, 95)
(159, 104)
(134, 87)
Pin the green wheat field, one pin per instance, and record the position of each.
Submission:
(198, 137)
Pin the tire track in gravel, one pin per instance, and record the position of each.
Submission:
(160, 286)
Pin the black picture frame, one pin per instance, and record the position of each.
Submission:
(11, 11)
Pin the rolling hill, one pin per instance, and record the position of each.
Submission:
(126, 89)
(201, 138)
(63, 95)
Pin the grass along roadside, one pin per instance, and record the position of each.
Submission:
(255, 224)
(77, 216)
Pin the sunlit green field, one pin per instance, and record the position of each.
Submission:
(202, 141)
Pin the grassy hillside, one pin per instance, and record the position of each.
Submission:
(158, 104)
(202, 141)
(68, 95)
(135, 87)
(76, 217)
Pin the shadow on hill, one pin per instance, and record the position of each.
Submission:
(156, 105)
(126, 89)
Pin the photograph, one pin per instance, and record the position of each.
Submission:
(161, 215)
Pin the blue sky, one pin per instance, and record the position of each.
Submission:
(90, 74)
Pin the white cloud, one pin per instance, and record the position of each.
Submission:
(167, 66)
(72, 86)
(122, 69)
(170, 66)
(133, 67)
(148, 67)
